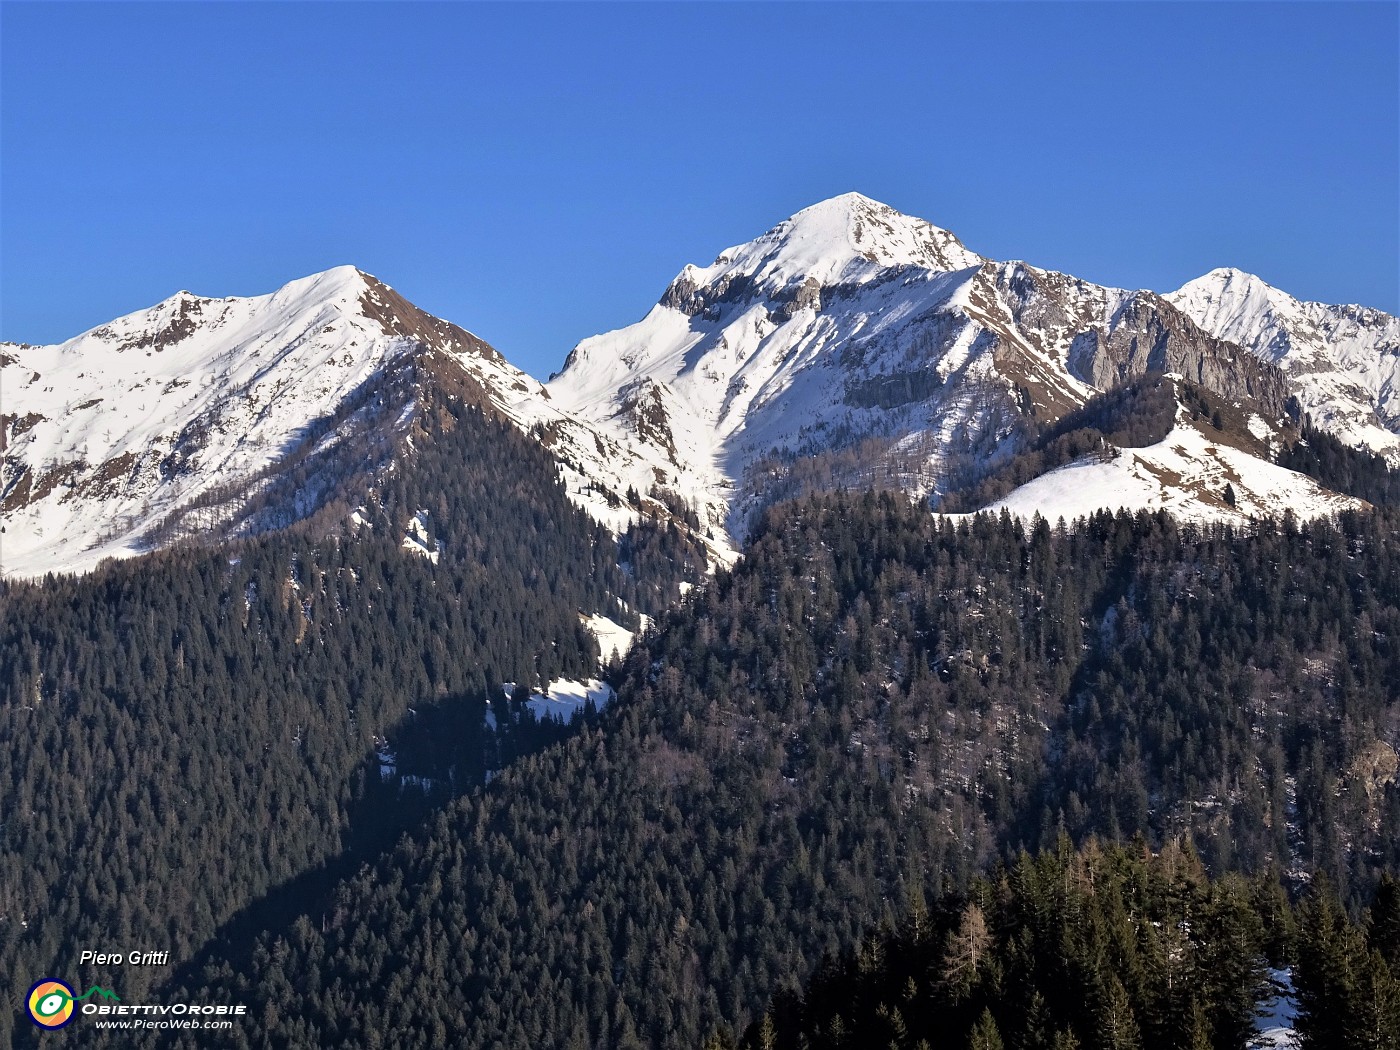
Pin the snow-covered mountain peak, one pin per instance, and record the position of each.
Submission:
(838, 231)
(106, 436)
(177, 420)
(846, 239)
(1233, 286)
(1342, 362)
(173, 320)
(340, 284)
(782, 281)
(852, 344)
(1229, 298)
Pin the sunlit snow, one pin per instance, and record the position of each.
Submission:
(1186, 474)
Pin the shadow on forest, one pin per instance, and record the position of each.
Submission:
(441, 750)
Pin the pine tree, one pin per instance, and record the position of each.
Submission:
(1374, 1017)
(967, 947)
(1383, 923)
(1326, 976)
(985, 1033)
(1118, 1028)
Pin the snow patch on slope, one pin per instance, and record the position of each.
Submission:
(1186, 473)
(614, 640)
(417, 539)
(564, 697)
(1274, 1023)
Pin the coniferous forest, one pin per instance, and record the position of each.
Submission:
(893, 778)
(504, 545)
(879, 711)
(186, 735)
(1113, 947)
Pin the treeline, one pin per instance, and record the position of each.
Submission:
(1111, 947)
(1342, 468)
(182, 734)
(875, 705)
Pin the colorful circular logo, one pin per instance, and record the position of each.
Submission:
(51, 1003)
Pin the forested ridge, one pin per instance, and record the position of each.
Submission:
(874, 707)
(184, 734)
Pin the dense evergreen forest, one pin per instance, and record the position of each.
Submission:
(875, 707)
(188, 734)
(1106, 947)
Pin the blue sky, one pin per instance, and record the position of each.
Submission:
(539, 173)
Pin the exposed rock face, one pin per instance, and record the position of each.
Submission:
(1147, 334)
(645, 405)
(183, 322)
(399, 317)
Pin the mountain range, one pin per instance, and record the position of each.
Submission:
(850, 345)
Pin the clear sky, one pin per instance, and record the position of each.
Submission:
(539, 173)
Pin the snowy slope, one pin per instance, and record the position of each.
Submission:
(1342, 362)
(736, 358)
(196, 400)
(108, 432)
(849, 345)
(1186, 474)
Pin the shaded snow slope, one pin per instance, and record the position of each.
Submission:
(1274, 1023)
(565, 697)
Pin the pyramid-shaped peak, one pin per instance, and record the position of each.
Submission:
(335, 283)
(878, 232)
(1223, 275)
(1226, 287)
(848, 237)
(850, 204)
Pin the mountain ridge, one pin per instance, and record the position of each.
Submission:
(214, 398)
(850, 344)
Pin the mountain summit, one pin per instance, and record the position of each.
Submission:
(854, 345)
(1342, 362)
(844, 240)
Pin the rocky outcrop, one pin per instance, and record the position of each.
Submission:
(1104, 337)
(1148, 334)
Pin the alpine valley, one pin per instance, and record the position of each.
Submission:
(875, 644)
